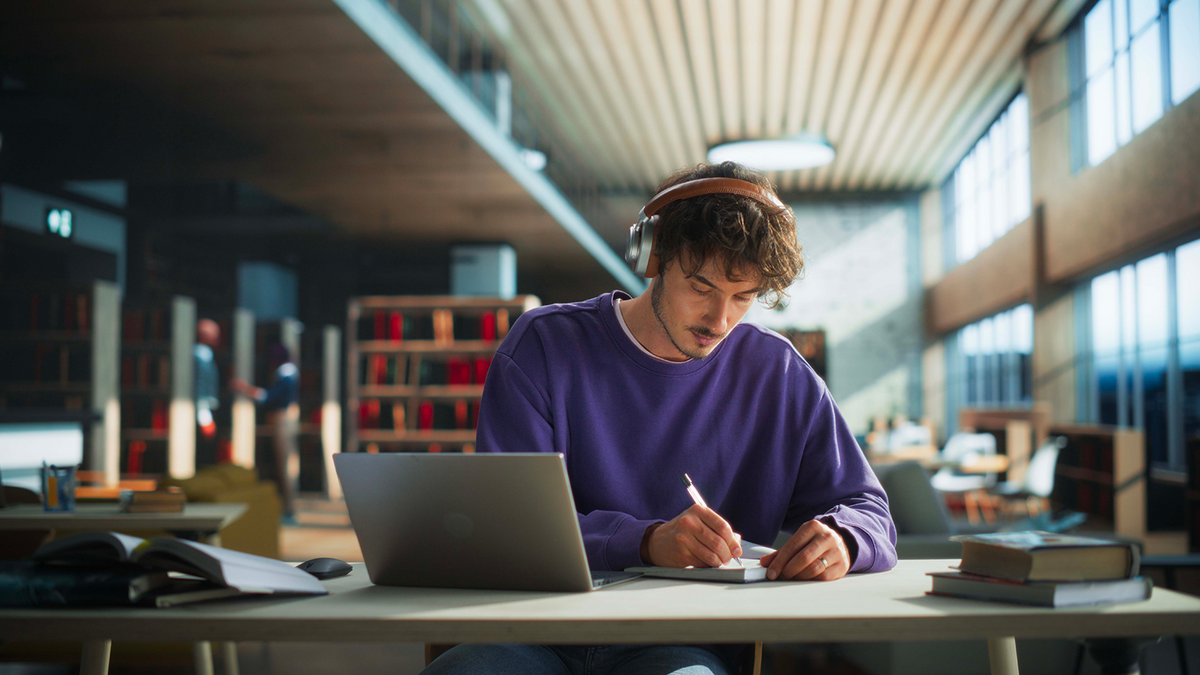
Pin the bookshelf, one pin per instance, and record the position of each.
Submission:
(1102, 472)
(416, 367)
(1017, 430)
(59, 349)
(1193, 493)
(158, 409)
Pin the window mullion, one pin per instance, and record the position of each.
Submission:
(1175, 445)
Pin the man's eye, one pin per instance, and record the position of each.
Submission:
(744, 299)
(699, 290)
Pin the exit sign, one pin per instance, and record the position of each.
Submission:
(60, 222)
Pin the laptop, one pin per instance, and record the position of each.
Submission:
(494, 521)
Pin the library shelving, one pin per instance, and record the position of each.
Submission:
(1193, 493)
(416, 367)
(59, 348)
(157, 374)
(1017, 430)
(1102, 472)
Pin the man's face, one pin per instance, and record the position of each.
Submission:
(698, 311)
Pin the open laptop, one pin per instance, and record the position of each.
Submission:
(498, 521)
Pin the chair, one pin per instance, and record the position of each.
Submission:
(751, 663)
(960, 451)
(1034, 491)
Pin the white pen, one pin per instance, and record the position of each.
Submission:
(691, 488)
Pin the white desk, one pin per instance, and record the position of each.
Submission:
(875, 607)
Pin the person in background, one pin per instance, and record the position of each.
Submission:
(207, 386)
(281, 401)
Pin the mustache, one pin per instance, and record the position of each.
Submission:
(704, 332)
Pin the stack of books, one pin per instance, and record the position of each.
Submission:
(166, 500)
(1046, 569)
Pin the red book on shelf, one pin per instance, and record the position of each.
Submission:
(396, 326)
(82, 320)
(378, 368)
(425, 415)
(482, 364)
(364, 416)
(134, 463)
(127, 378)
(158, 416)
(487, 326)
(474, 408)
(373, 414)
(458, 371)
(460, 414)
(379, 327)
(435, 447)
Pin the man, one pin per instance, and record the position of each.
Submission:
(282, 403)
(207, 386)
(637, 391)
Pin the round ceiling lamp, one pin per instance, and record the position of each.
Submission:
(802, 151)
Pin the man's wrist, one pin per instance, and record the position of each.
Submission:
(644, 550)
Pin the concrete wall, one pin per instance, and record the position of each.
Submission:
(862, 286)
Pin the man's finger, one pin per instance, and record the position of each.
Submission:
(718, 525)
(703, 555)
(794, 545)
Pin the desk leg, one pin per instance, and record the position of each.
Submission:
(95, 657)
(1002, 653)
(229, 653)
(202, 654)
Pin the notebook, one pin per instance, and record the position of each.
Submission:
(493, 520)
(749, 569)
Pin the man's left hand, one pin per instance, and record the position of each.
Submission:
(815, 553)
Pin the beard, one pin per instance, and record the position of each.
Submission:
(656, 302)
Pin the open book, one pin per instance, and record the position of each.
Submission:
(198, 571)
(731, 572)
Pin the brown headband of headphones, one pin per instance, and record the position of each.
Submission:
(709, 186)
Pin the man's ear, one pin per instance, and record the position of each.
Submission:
(652, 265)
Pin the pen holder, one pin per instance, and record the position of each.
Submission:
(58, 488)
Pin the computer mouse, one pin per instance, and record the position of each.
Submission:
(326, 568)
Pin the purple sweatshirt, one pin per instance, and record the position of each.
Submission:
(752, 424)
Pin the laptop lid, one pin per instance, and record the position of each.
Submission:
(495, 521)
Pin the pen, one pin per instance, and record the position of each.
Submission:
(691, 489)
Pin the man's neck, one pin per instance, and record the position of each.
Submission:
(639, 318)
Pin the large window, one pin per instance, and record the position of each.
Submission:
(991, 185)
(1144, 361)
(1139, 57)
(990, 363)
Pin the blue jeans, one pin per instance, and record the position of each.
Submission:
(510, 659)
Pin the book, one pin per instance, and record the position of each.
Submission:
(1044, 556)
(1041, 593)
(26, 583)
(168, 500)
(749, 571)
(246, 573)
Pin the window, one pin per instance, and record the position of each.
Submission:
(1144, 360)
(990, 363)
(1139, 57)
(991, 185)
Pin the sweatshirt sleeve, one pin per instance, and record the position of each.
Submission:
(515, 416)
(837, 486)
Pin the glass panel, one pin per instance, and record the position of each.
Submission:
(1147, 79)
(1019, 117)
(1184, 19)
(1152, 342)
(1141, 12)
(1129, 333)
(1121, 25)
(1022, 201)
(1124, 104)
(1097, 37)
(1003, 332)
(1000, 199)
(1102, 140)
(987, 337)
(1187, 285)
(985, 216)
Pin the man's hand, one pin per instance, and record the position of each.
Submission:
(815, 553)
(697, 537)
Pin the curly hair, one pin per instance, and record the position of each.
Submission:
(744, 233)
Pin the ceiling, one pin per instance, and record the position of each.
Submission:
(644, 87)
(293, 97)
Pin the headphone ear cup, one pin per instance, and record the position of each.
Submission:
(649, 238)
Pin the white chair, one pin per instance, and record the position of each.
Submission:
(908, 435)
(1039, 478)
(962, 450)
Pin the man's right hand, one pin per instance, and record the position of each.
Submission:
(697, 537)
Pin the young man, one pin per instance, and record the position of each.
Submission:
(637, 391)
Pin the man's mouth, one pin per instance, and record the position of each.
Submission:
(705, 339)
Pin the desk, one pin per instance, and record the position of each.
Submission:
(201, 521)
(858, 608)
(205, 520)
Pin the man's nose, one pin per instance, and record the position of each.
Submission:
(717, 319)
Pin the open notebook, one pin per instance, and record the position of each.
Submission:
(731, 572)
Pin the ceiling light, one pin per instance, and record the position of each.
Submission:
(533, 159)
(802, 151)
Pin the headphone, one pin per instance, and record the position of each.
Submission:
(639, 248)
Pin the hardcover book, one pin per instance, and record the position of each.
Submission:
(1044, 556)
